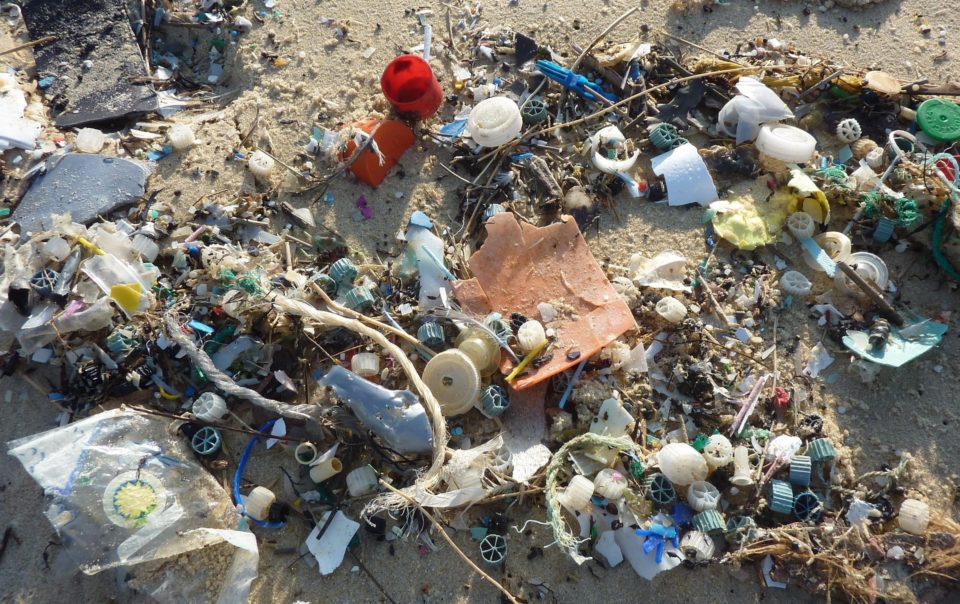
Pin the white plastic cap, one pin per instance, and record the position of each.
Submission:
(671, 309)
(495, 121)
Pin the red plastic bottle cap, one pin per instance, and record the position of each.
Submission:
(947, 168)
(410, 86)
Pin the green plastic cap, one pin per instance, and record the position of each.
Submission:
(939, 119)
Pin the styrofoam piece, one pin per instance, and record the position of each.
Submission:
(801, 225)
(702, 496)
(209, 407)
(682, 464)
(686, 175)
(453, 380)
(671, 309)
(576, 497)
(495, 121)
(610, 483)
(258, 502)
(784, 446)
(330, 548)
(530, 335)
(90, 140)
(607, 136)
(612, 419)
(718, 451)
(869, 266)
(795, 283)
(362, 481)
(914, 516)
(365, 364)
(786, 143)
(181, 137)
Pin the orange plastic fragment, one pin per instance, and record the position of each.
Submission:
(393, 138)
(522, 265)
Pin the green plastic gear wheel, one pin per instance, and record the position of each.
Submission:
(660, 490)
(740, 530)
(781, 497)
(664, 137)
(206, 441)
(344, 271)
(359, 299)
(431, 334)
(327, 283)
(800, 468)
(534, 111)
(708, 521)
(806, 506)
(821, 450)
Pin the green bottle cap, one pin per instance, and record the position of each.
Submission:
(939, 119)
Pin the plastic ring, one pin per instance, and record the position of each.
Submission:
(206, 441)
(493, 549)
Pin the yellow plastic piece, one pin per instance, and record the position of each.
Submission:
(749, 225)
(127, 295)
(526, 361)
(90, 246)
(167, 395)
(807, 197)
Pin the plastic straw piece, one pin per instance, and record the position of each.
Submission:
(572, 382)
(526, 360)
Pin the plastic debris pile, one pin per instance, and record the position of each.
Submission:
(661, 408)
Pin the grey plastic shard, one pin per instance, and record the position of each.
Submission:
(396, 416)
(83, 185)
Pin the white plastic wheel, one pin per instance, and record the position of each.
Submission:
(801, 225)
(610, 483)
(530, 335)
(260, 164)
(834, 243)
(453, 380)
(703, 496)
(671, 309)
(849, 130)
(795, 283)
(914, 516)
(495, 121)
(209, 407)
(867, 265)
(365, 364)
(718, 452)
(786, 143)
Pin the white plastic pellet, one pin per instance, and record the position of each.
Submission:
(530, 335)
(610, 483)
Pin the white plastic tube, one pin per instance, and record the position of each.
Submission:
(742, 471)
(495, 121)
(576, 497)
(325, 469)
(258, 503)
(306, 453)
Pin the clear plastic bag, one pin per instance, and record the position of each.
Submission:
(122, 491)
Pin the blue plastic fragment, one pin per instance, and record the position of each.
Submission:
(420, 219)
(46, 82)
(819, 256)
(453, 129)
(198, 326)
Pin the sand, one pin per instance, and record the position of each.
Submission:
(912, 410)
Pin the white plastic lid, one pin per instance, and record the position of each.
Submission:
(495, 121)
(786, 143)
(453, 380)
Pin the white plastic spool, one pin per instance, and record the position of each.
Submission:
(671, 309)
(786, 143)
(209, 407)
(703, 496)
(795, 283)
(867, 265)
(530, 335)
(914, 516)
(801, 225)
(718, 451)
(834, 243)
(365, 364)
(682, 464)
(260, 165)
(495, 121)
(610, 483)
(698, 546)
(258, 503)
(325, 469)
(454, 381)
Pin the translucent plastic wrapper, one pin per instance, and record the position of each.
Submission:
(122, 492)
